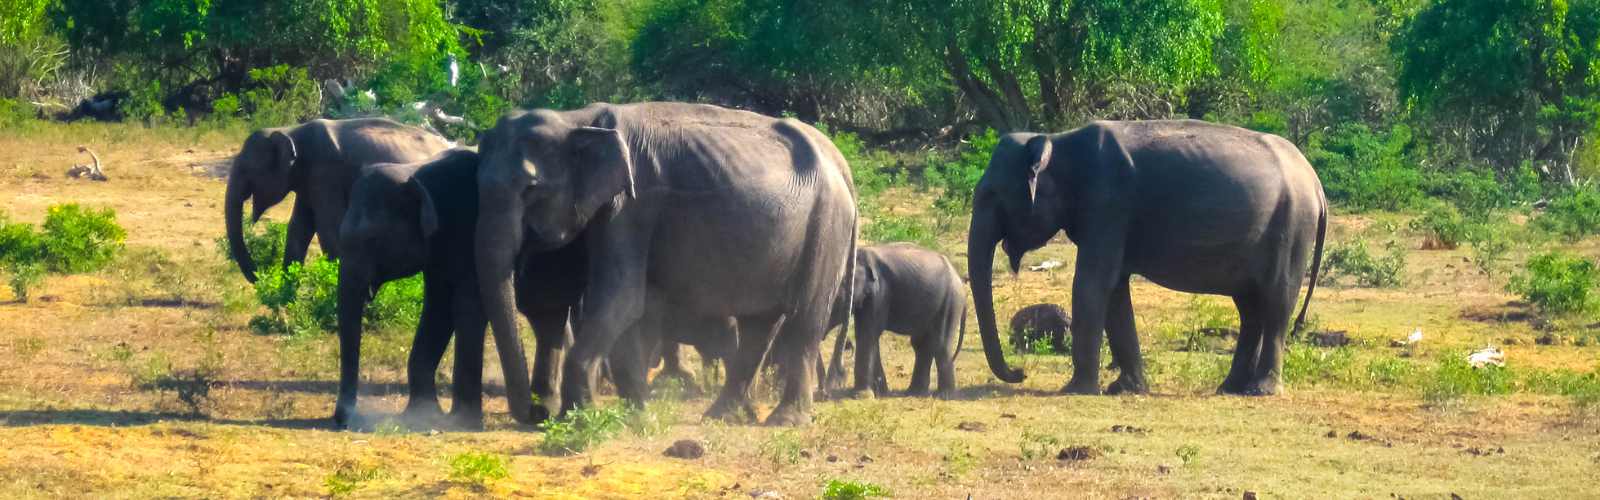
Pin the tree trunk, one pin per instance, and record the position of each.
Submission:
(990, 106)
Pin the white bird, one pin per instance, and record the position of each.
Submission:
(1045, 266)
(1416, 336)
(455, 70)
(1487, 356)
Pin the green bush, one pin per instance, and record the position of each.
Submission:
(1489, 249)
(477, 468)
(1304, 363)
(1573, 213)
(78, 240)
(582, 429)
(1454, 379)
(888, 228)
(1367, 170)
(302, 299)
(1355, 261)
(15, 114)
(956, 180)
(24, 278)
(1559, 284)
(279, 95)
(851, 490)
(1442, 227)
(866, 166)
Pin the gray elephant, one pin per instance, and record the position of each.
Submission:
(1192, 206)
(420, 217)
(1040, 321)
(907, 289)
(319, 161)
(703, 211)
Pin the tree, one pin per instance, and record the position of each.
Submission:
(1520, 79)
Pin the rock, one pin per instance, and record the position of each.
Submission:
(865, 459)
(1163, 469)
(832, 458)
(1548, 339)
(1128, 429)
(1249, 495)
(972, 426)
(1077, 454)
(765, 494)
(1330, 339)
(686, 449)
(1008, 415)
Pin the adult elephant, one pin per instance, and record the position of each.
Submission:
(319, 161)
(911, 290)
(420, 217)
(1193, 206)
(705, 211)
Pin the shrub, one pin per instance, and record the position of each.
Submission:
(304, 299)
(1391, 372)
(1574, 213)
(1442, 227)
(582, 429)
(1354, 260)
(76, 240)
(476, 468)
(1303, 363)
(1367, 170)
(264, 239)
(866, 167)
(1559, 284)
(1188, 453)
(956, 180)
(1489, 250)
(886, 228)
(851, 490)
(280, 95)
(24, 277)
(1454, 379)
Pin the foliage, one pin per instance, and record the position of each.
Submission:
(303, 299)
(885, 227)
(1442, 227)
(348, 476)
(1367, 170)
(1574, 213)
(1559, 283)
(1305, 363)
(957, 180)
(1356, 261)
(275, 96)
(1454, 379)
(477, 468)
(837, 489)
(1188, 453)
(24, 277)
(582, 429)
(1036, 446)
(78, 240)
(265, 241)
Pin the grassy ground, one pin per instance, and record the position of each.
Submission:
(95, 372)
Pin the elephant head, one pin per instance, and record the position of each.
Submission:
(261, 172)
(1018, 207)
(541, 181)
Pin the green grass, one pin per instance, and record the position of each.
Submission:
(582, 429)
(837, 489)
(477, 468)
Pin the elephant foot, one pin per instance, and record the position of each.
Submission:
(1082, 387)
(1128, 385)
(918, 392)
(740, 411)
(1263, 387)
(422, 415)
(465, 420)
(861, 393)
(786, 415)
(541, 413)
(341, 420)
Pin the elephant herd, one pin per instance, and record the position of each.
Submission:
(620, 231)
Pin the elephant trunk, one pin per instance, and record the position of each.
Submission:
(981, 240)
(498, 236)
(233, 210)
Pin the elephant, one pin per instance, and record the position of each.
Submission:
(1192, 206)
(703, 211)
(1040, 321)
(420, 217)
(319, 161)
(911, 290)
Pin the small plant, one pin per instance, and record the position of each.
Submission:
(1573, 214)
(1036, 446)
(782, 448)
(477, 468)
(24, 278)
(1391, 372)
(1188, 453)
(1304, 363)
(960, 460)
(851, 490)
(349, 476)
(1489, 250)
(1559, 284)
(582, 429)
(1454, 379)
(192, 386)
(264, 239)
(1355, 261)
(1442, 227)
(860, 421)
(76, 240)
(27, 348)
(956, 180)
(887, 228)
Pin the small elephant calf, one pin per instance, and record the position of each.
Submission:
(1040, 321)
(906, 289)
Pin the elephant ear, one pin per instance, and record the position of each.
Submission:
(605, 168)
(284, 151)
(428, 216)
(1038, 156)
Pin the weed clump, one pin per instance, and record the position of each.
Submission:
(304, 299)
(1357, 262)
(582, 429)
(1455, 379)
(1573, 214)
(1559, 284)
(837, 489)
(477, 469)
(72, 240)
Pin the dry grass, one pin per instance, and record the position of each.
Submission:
(77, 422)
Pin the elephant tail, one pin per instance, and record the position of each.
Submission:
(1316, 264)
(961, 335)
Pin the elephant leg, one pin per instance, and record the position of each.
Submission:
(354, 283)
(466, 411)
(613, 304)
(943, 351)
(427, 349)
(327, 226)
(552, 332)
(628, 370)
(755, 338)
(672, 367)
(799, 344)
(867, 338)
(922, 369)
(297, 240)
(1279, 309)
(1124, 337)
(1097, 271)
(1248, 348)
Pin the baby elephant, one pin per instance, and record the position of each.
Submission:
(910, 290)
(1040, 321)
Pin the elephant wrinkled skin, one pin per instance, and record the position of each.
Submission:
(1193, 206)
(911, 290)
